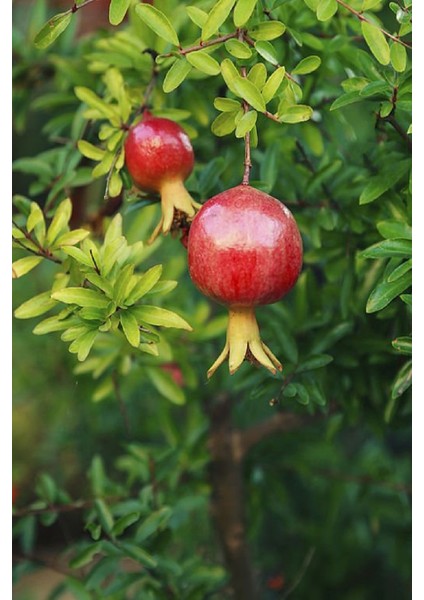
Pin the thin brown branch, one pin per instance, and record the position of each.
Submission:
(391, 119)
(201, 45)
(40, 250)
(361, 17)
(247, 157)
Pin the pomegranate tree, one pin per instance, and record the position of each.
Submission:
(244, 249)
(159, 158)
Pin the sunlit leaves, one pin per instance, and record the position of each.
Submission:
(158, 22)
(118, 10)
(243, 11)
(176, 75)
(203, 62)
(216, 17)
(376, 41)
(52, 29)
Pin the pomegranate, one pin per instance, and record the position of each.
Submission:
(244, 249)
(159, 158)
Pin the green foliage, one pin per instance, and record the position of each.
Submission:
(324, 91)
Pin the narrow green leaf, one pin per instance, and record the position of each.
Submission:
(376, 88)
(165, 385)
(176, 75)
(380, 184)
(94, 101)
(130, 327)
(246, 123)
(36, 222)
(36, 306)
(52, 324)
(52, 29)
(403, 380)
(268, 30)
(60, 221)
(267, 51)
(272, 85)
(400, 270)
(388, 248)
(398, 57)
(78, 255)
(403, 344)
(90, 150)
(346, 99)
(158, 22)
(238, 49)
(124, 522)
(85, 556)
(385, 292)
(22, 266)
(122, 283)
(118, 10)
(376, 42)
(247, 90)
(70, 238)
(81, 297)
(83, 344)
(326, 9)
(154, 315)
(296, 114)
(156, 521)
(145, 284)
(216, 17)
(243, 11)
(314, 362)
(203, 62)
(105, 516)
(307, 65)
(138, 554)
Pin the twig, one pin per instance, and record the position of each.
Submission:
(397, 127)
(361, 17)
(218, 40)
(41, 251)
(247, 158)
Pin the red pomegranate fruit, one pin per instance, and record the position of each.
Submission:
(159, 158)
(244, 249)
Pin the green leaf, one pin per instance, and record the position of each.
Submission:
(70, 238)
(296, 114)
(52, 29)
(314, 362)
(230, 74)
(52, 324)
(398, 57)
(81, 297)
(94, 101)
(216, 17)
(269, 30)
(383, 182)
(165, 385)
(36, 306)
(118, 10)
(78, 255)
(122, 284)
(227, 104)
(307, 65)
(85, 556)
(22, 266)
(238, 49)
(272, 85)
(156, 521)
(60, 221)
(224, 123)
(154, 315)
(403, 380)
(326, 9)
(258, 75)
(176, 75)
(130, 327)
(158, 22)
(197, 15)
(90, 150)
(247, 90)
(403, 344)
(400, 270)
(385, 292)
(387, 248)
(246, 123)
(376, 42)
(83, 344)
(145, 283)
(203, 62)
(267, 51)
(243, 11)
(346, 99)
(36, 222)
(138, 554)
(124, 522)
(105, 516)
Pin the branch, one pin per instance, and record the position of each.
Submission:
(202, 45)
(361, 17)
(41, 251)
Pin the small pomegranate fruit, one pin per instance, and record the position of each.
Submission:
(244, 249)
(159, 158)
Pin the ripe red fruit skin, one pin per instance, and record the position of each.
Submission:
(244, 250)
(159, 158)
(157, 149)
